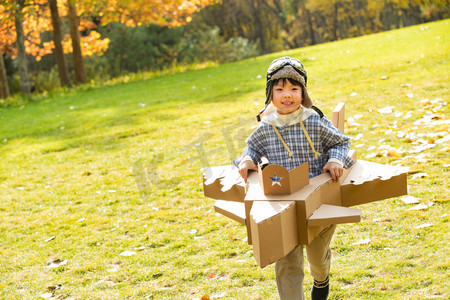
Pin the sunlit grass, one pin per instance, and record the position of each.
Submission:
(66, 171)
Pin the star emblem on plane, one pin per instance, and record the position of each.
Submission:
(275, 179)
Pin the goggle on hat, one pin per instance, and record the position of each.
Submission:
(286, 67)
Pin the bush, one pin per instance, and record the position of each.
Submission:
(207, 44)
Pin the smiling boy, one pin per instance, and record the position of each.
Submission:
(290, 136)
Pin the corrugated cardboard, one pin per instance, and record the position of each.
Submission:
(368, 182)
(231, 209)
(274, 230)
(338, 117)
(223, 183)
(321, 189)
(327, 215)
(276, 180)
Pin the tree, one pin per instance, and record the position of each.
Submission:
(78, 64)
(21, 56)
(57, 40)
(4, 87)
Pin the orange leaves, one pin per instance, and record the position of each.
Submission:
(93, 44)
(162, 12)
(36, 19)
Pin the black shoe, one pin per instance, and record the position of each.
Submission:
(320, 289)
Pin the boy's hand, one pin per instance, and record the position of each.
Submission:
(245, 166)
(335, 169)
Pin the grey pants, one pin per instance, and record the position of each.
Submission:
(289, 270)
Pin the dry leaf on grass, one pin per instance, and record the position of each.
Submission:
(212, 276)
(424, 225)
(419, 175)
(422, 206)
(409, 199)
(46, 295)
(442, 200)
(57, 263)
(386, 110)
(127, 253)
(362, 242)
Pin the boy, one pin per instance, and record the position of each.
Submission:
(290, 136)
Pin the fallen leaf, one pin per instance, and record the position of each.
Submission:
(50, 239)
(442, 200)
(193, 231)
(221, 295)
(157, 275)
(127, 253)
(386, 110)
(392, 152)
(81, 220)
(57, 263)
(205, 297)
(114, 268)
(212, 276)
(419, 207)
(409, 199)
(419, 175)
(424, 225)
(46, 295)
(362, 242)
(371, 155)
(141, 248)
(54, 287)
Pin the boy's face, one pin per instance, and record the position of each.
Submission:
(286, 97)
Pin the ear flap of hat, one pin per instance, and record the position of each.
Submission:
(307, 102)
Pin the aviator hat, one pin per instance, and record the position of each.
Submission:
(286, 67)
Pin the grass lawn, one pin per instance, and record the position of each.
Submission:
(75, 225)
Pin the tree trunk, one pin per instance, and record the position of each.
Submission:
(78, 64)
(4, 88)
(21, 56)
(57, 39)
(311, 28)
(335, 22)
(258, 25)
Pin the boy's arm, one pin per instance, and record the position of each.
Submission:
(336, 144)
(247, 161)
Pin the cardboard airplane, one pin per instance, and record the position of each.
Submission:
(282, 209)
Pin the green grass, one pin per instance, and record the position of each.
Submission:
(66, 171)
